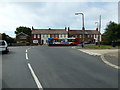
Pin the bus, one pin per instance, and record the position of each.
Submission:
(62, 42)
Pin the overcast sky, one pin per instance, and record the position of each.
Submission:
(55, 15)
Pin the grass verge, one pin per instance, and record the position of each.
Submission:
(101, 47)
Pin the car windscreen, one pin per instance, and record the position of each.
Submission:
(2, 43)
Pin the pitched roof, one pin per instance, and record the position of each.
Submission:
(49, 31)
(22, 33)
(81, 32)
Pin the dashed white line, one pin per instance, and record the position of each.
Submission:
(26, 51)
(35, 78)
(26, 56)
(33, 73)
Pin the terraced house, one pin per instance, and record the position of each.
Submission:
(88, 36)
(40, 36)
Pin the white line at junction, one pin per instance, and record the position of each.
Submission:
(35, 78)
(108, 63)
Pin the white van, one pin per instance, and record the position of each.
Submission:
(4, 46)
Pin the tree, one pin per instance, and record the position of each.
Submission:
(23, 29)
(112, 32)
(3, 36)
(7, 38)
(10, 40)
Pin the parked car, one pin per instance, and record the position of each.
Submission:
(86, 42)
(4, 46)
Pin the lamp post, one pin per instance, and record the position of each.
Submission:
(97, 24)
(83, 28)
(99, 31)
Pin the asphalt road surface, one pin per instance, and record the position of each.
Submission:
(55, 67)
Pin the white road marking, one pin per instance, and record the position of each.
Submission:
(102, 57)
(35, 78)
(27, 53)
(26, 50)
(90, 53)
(26, 56)
(108, 63)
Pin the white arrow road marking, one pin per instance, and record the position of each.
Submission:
(35, 78)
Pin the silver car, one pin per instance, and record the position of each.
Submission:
(4, 46)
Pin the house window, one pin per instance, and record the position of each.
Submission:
(55, 36)
(76, 36)
(61, 35)
(43, 35)
(38, 35)
(94, 35)
(80, 36)
(64, 35)
(88, 36)
(47, 35)
(34, 35)
(52, 36)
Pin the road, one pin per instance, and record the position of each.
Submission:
(55, 67)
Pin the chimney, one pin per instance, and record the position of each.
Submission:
(83, 29)
(96, 29)
(68, 31)
(65, 28)
(49, 28)
(68, 28)
(32, 28)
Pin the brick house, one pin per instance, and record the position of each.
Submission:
(40, 36)
(89, 35)
(23, 37)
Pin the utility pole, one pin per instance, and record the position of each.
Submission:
(99, 31)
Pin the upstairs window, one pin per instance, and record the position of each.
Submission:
(80, 36)
(88, 36)
(52, 36)
(34, 35)
(38, 35)
(61, 35)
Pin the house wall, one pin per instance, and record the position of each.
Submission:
(44, 37)
(25, 38)
(35, 40)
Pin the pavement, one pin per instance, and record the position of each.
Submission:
(112, 57)
(108, 56)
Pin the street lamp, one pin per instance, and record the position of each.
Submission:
(99, 31)
(82, 19)
(83, 28)
(97, 24)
